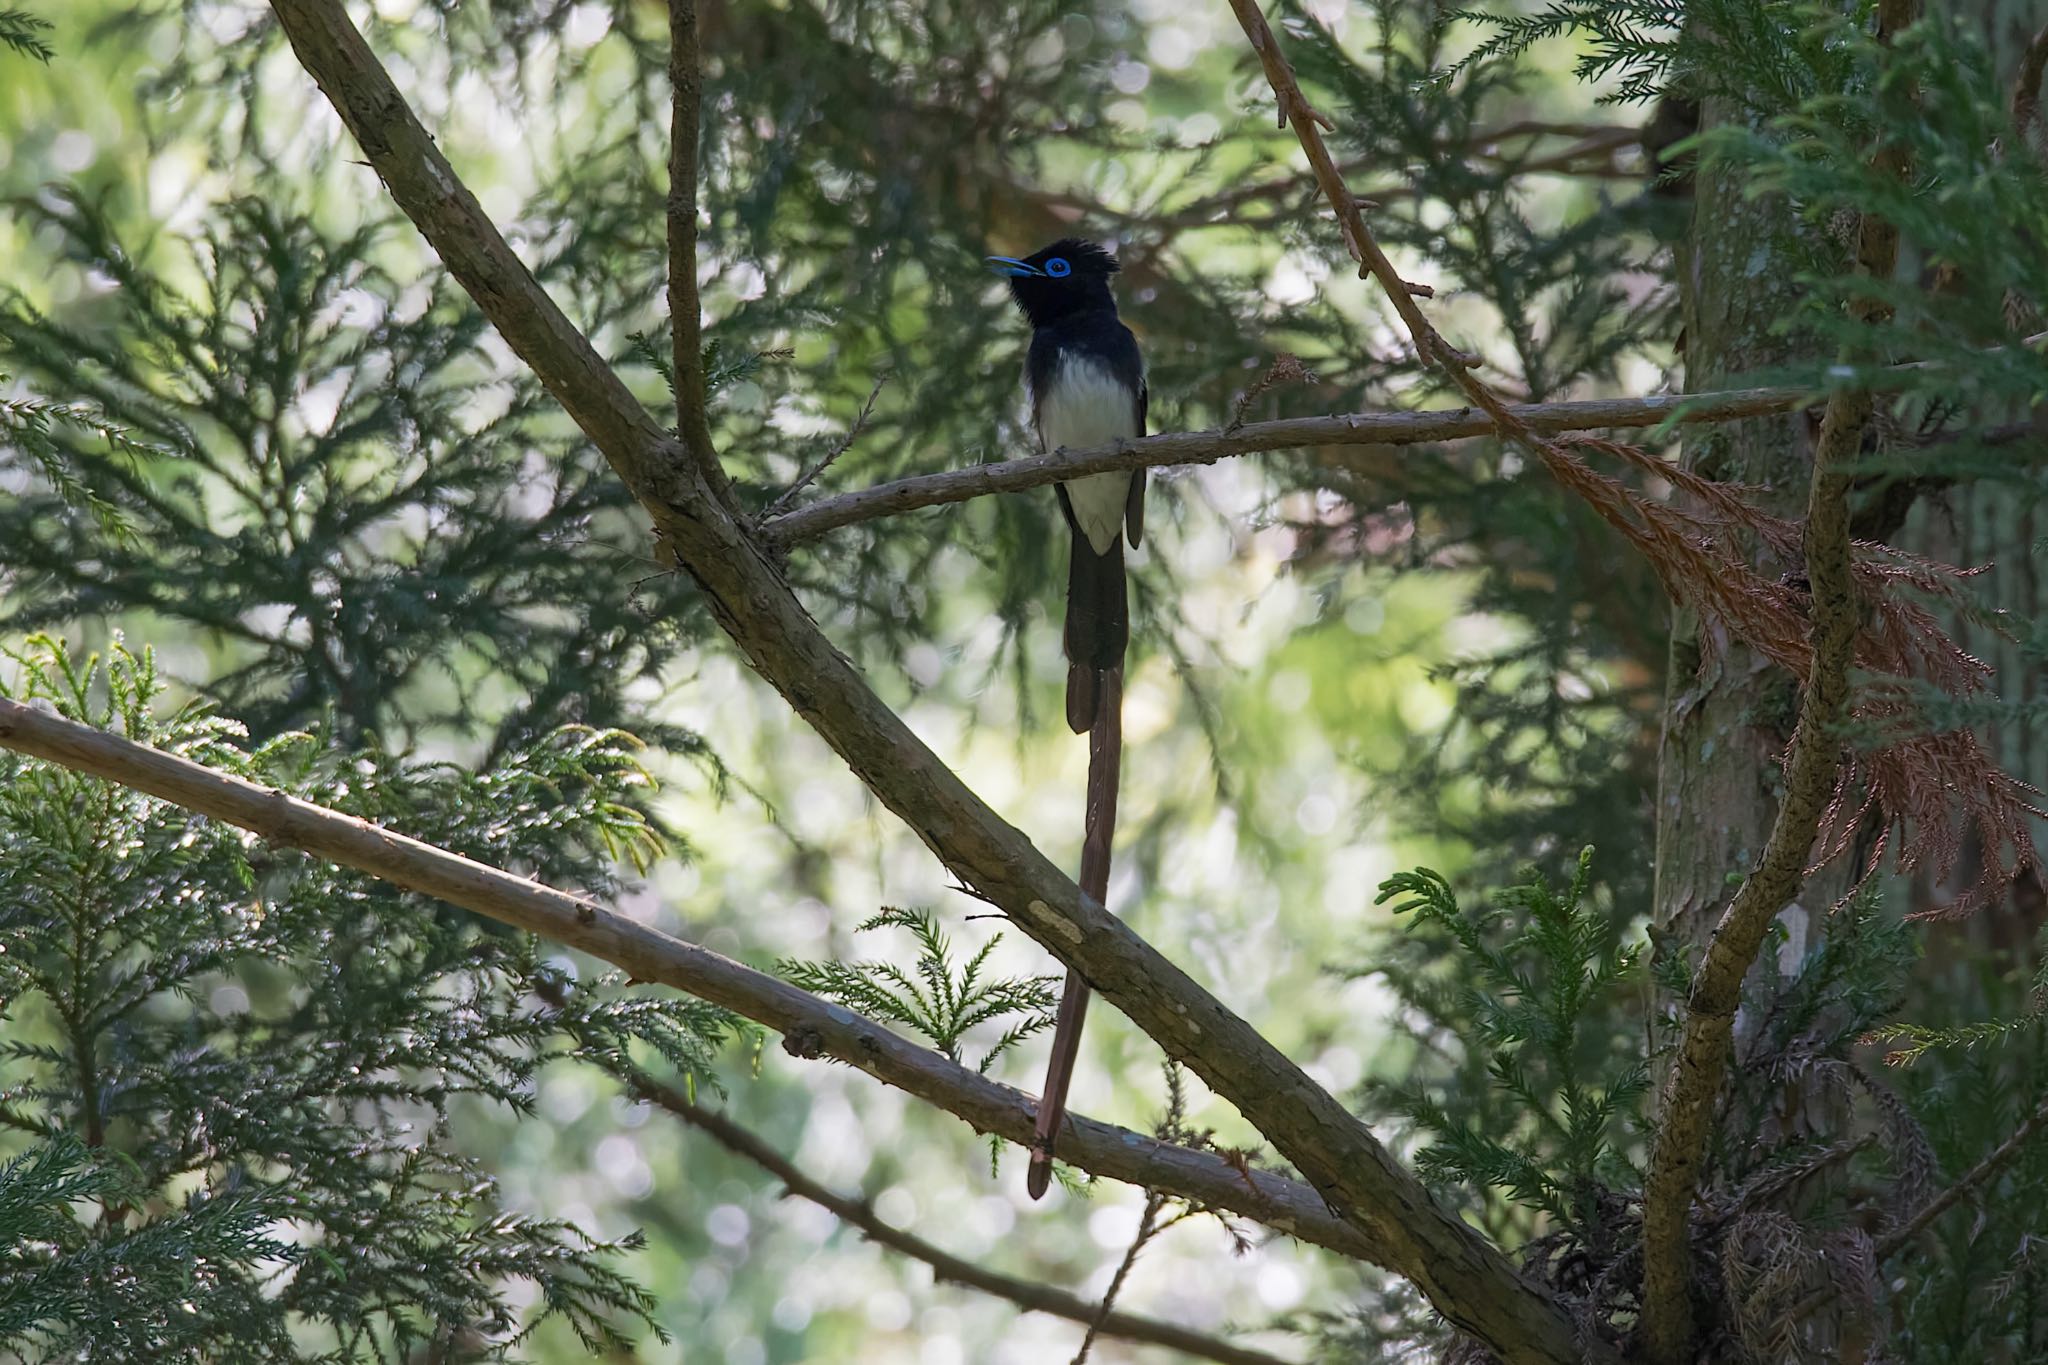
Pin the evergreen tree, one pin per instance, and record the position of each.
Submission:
(332, 475)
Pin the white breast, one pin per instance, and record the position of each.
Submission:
(1084, 405)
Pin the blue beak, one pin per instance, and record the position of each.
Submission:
(1010, 265)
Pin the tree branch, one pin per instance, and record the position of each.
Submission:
(1692, 1086)
(1364, 247)
(1026, 1294)
(1300, 433)
(1466, 1278)
(811, 1027)
(1903, 1236)
(686, 84)
(1892, 1243)
(1287, 433)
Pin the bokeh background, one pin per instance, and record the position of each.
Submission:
(1346, 662)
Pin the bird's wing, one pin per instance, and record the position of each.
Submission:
(1134, 500)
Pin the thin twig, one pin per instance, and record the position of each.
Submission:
(1904, 1235)
(1148, 1228)
(686, 85)
(1364, 247)
(1288, 433)
(858, 1213)
(811, 1027)
(1172, 1127)
(1285, 369)
(839, 447)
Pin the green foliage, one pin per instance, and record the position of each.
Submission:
(1975, 1287)
(322, 469)
(27, 427)
(22, 31)
(1915, 1040)
(1970, 210)
(234, 1066)
(1853, 975)
(1767, 54)
(1543, 974)
(720, 368)
(940, 997)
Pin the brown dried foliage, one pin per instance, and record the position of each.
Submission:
(1921, 788)
(1772, 1263)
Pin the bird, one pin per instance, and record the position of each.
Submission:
(1085, 378)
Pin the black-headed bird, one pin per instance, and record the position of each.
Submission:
(1086, 382)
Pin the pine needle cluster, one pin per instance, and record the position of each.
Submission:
(226, 1072)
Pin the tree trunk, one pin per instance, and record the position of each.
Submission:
(1729, 714)
(1972, 524)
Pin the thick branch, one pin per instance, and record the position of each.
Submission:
(811, 1027)
(1693, 1084)
(1026, 1294)
(1287, 433)
(1466, 1278)
(1692, 1087)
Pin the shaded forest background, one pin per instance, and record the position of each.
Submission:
(297, 466)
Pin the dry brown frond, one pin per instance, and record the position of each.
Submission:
(1922, 786)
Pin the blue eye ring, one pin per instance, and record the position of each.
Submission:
(1058, 268)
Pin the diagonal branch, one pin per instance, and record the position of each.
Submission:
(1903, 1236)
(811, 1027)
(1892, 1243)
(1465, 1277)
(858, 1213)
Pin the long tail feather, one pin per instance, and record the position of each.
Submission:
(1098, 625)
(1105, 762)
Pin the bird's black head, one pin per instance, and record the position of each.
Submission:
(1070, 276)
